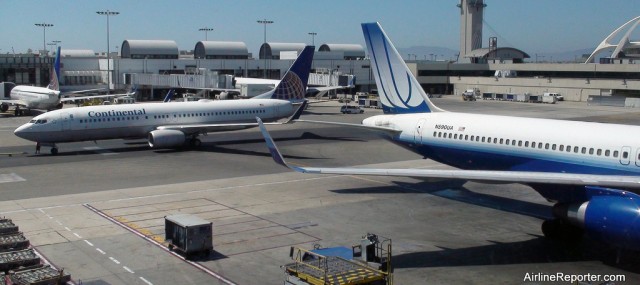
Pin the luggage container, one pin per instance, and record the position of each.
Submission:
(7, 226)
(189, 234)
(13, 259)
(41, 275)
(15, 241)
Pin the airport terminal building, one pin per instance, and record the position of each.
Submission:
(156, 65)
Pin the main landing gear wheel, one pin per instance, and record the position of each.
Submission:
(54, 150)
(195, 142)
(4, 107)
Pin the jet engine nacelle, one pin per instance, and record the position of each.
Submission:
(166, 138)
(611, 219)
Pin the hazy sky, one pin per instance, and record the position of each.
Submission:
(533, 26)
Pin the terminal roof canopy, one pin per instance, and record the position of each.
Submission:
(151, 49)
(502, 53)
(272, 50)
(221, 50)
(350, 51)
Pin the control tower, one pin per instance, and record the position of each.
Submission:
(470, 27)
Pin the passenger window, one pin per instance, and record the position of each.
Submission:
(482, 139)
(435, 134)
(449, 135)
(591, 151)
(625, 155)
(455, 136)
(615, 153)
(584, 150)
(599, 152)
(607, 153)
(568, 148)
(501, 140)
(575, 149)
(546, 146)
(495, 140)
(561, 147)
(540, 145)
(472, 137)
(466, 137)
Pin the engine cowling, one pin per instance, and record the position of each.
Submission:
(611, 219)
(166, 138)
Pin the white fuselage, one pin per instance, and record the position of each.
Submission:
(36, 97)
(473, 141)
(137, 120)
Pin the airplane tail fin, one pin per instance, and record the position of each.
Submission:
(293, 85)
(399, 91)
(55, 73)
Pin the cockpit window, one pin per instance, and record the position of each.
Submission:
(32, 121)
(41, 121)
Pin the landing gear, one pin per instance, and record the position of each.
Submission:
(21, 112)
(560, 230)
(4, 107)
(195, 142)
(54, 150)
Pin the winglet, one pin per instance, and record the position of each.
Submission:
(273, 149)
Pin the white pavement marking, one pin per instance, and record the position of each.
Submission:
(88, 242)
(101, 251)
(145, 281)
(11, 177)
(67, 228)
(100, 150)
(114, 260)
(128, 269)
(77, 235)
(58, 222)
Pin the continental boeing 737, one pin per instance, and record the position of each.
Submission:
(172, 124)
(25, 98)
(590, 170)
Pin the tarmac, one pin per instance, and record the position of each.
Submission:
(97, 209)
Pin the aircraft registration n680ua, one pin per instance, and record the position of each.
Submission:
(172, 124)
(590, 170)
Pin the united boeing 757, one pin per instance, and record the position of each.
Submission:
(591, 171)
(172, 124)
(25, 98)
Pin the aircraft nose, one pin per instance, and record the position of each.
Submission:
(22, 132)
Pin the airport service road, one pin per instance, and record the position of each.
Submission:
(442, 232)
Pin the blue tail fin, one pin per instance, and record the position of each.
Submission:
(398, 89)
(169, 96)
(293, 85)
(55, 74)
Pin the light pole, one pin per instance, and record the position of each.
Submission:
(313, 38)
(206, 30)
(108, 13)
(44, 34)
(265, 22)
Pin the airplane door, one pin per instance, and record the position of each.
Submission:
(625, 155)
(417, 135)
(637, 158)
(64, 121)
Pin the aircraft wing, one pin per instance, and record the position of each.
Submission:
(75, 98)
(387, 130)
(12, 102)
(618, 181)
(212, 128)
